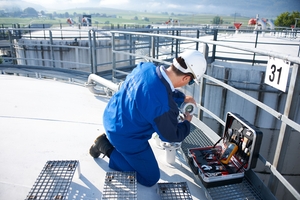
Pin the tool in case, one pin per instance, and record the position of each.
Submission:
(227, 160)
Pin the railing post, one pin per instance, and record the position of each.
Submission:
(51, 48)
(113, 56)
(299, 51)
(29, 31)
(61, 32)
(131, 50)
(205, 51)
(291, 93)
(12, 51)
(203, 84)
(197, 36)
(94, 52)
(152, 47)
(213, 57)
(91, 51)
(157, 46)
(19, 31)
(284, 133)
(177, 45)
(255, 47)
(3, 34)
(44, 31)
(172, 44)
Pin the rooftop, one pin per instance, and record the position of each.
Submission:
(46, 120)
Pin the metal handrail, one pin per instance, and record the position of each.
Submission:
(293, 59)
(280, 177)
(282, 117)
(271, 111)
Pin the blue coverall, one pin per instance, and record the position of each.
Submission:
(144, 104)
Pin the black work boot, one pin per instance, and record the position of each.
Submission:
(101, 145)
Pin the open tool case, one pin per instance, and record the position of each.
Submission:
(226, 161)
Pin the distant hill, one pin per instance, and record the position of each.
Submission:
(13, 5)
(248, 8)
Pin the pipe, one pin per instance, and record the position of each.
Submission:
(108, 84)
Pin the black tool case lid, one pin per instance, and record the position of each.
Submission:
(237, 130)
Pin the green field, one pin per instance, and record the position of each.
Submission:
(121, 17)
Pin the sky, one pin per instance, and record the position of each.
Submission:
(53, 4)
(117, 4)
(251, 8)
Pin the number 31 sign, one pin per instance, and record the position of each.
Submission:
(277, 73)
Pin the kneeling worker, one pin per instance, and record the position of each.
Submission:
(147, 102)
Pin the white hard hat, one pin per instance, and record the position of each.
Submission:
(195, 62)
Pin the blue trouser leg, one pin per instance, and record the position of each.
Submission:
(143, 162)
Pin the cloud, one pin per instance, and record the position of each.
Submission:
(110, 3)
(78, 1)
(60, 4)
(173, 6)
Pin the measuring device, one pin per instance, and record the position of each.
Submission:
(228, 153)
(188, 107)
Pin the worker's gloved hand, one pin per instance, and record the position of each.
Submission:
(187, 116)
(189, 99)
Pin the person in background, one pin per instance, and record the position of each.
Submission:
(147, 102)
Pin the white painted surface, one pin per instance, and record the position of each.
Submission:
(45, 120)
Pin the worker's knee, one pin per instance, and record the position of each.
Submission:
(149, 179)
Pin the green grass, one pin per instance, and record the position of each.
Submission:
(128, 18)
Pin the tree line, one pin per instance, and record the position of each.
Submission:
(285, 19)
(31, 12)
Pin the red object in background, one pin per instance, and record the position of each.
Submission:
(69, 21)
(237, 25)
(292, 26)
(252, 22)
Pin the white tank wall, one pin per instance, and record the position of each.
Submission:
(248, 77)
(28, 48)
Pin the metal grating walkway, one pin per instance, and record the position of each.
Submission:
(195, 139)
(54, 180)
(174, 191)
(120, 186)
(234, 192)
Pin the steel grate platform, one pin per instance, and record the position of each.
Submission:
(195, 139)
(54, 180)
(233, 191)
(120, 186)
(174, 191)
